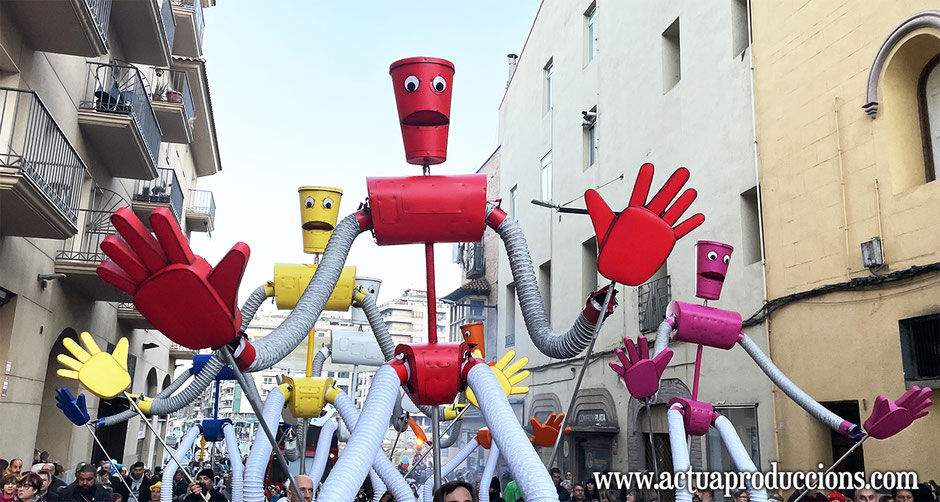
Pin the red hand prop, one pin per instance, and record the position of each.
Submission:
(187, 300)
(891, 417)
(484, 438)
(640, 373)
(634, 244)
(546, 434)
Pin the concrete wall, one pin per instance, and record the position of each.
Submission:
(811, 74)
(703, 122)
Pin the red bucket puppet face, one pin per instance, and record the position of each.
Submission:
(712, 260)
(422, 92)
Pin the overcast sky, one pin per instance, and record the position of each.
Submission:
(302, 96)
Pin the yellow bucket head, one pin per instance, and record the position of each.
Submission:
(319, 210)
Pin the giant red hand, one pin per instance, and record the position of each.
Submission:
(177, 291)
(640, 373)
(546, 434)
(633, 245)
(891, 417)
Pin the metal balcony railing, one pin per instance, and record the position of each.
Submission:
(196, 6)
(652, 299)
(164, 189)
(172, 86)
(101, 11)
(32, 141)
(116, 88)
(96, 226)
(474, 263)
(202, 201)
(169, 22)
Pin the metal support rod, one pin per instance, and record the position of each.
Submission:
(391, 452)
(305, 423)
(257, 408)
(834, 464)
(425, 454)
(92, 431)
(436, 445)
(587, 358)
(649, 418)
(432, 299)
(205, 496)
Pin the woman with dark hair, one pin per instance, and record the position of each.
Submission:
(495, 490)
(591, 493)
(7, 488)
(27, 490)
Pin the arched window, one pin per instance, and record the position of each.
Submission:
(928, 104)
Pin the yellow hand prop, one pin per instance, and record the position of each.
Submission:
(143, 402)
(104, 375)
(453, 411)
(508, 376)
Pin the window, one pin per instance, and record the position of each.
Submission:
(592, 145)
(591, 16)
(512, 202)
(547, 177)
(510, 310)
(343, 374)
(744, 419)
(548, 86)
(545, 286)
(589, 126)
(417, 314)
(920, 350)
(928, 104)
(750, 226)
(671, 68)
(740, 17)
(588, 267)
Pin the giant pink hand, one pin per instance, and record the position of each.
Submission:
(640, 373)
(891, 417)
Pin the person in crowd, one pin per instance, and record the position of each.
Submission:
(7, 488)
(54, 483)
(305, 484)
(85, 489)
(104, 477)
(455, 491)
(15, 468)
(35, 457)
(866, 495)
(495, 490)
(155, 490)
(887, 498)
(903, 496)
(138, 483)
(3, 465)
(46, 492)
(635, 495)
(741, 496)
(835, 496)
(812, 495)
(563, 494)
(577, 493)
(29, 487)
(591, 494)
(202, 485)
(180, 486)
(703, 495)
(512, 493)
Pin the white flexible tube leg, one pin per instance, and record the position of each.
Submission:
(742, 460)
(428, 489)
(365, 441)
(260, 453)
(323, 452)
(378, 487)
(381, 464)
(235, 459)
(488, 471)
(680, 450)
(169, 470)
(525, 464)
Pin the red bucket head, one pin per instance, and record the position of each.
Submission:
(711, 266)
(423, 89)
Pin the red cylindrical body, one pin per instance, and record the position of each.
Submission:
(423, 88)
(435, 371)
(705, 325)
(697, 416)
(419, 209)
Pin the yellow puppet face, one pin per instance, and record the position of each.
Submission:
(319, 210)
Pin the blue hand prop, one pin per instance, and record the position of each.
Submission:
(73, 408)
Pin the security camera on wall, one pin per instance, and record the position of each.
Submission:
(588, 118)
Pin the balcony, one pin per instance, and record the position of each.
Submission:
(116, 116)
(162, 191)
(200, 215)
(80, 256)
(652, 299)
(41, 175)
(146, 29)
(177, 351)
(474, 261)
(128, 315)
(189, 27)
(204, 147)
(172, 101)
(76, 27)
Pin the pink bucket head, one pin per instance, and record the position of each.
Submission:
(423, 88)
(711, 267)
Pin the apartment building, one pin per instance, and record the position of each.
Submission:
(599, 89)
(103, 104)
(848, 115)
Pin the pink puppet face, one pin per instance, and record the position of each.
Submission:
(423, 88)
(712, 259)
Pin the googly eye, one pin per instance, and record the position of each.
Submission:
(466, 333)
(438, 84)
(712, 255)
(727, 259)
(372, 291)
(411, 83)
(327, 203)
(309, 202)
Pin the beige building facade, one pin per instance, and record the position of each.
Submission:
(848, 114)
(103, 104)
